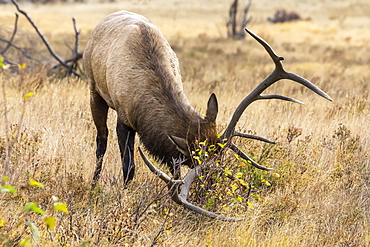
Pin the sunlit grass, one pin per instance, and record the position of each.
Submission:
(320, 196)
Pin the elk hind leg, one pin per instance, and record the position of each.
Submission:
(99, 109)
(126, 138)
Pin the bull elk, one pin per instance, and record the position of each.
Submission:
(132, 69)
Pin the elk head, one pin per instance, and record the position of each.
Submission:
(180, 195)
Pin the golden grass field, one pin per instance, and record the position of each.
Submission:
(322, 196)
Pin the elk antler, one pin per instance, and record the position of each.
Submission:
(278, 74)
(181, 197)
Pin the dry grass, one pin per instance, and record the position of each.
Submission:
(322, 195)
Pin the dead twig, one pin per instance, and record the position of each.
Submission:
(13, 35)
(63, 63)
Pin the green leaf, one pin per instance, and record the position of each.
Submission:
(61, 207)
(35, 183)
(50, 222)
(34, 229)
(7, 188)
(5, 178)
(33, 207)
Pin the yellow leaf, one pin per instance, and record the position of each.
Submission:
(276, 175)
(228, 172)
(233, 187)
(1, 61)
(35, 183)
(221, 145)
(22, 66)
(50, 222)
(239, 175)
(28, 95)
(2, 222)
(242, 182)
(61, 207)
(266, 182)
(229, 193)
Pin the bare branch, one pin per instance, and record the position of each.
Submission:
(245, 21)
(44, 40)
(232, 19)
(56, 56)
(17, 48)
(77, 33)
(232, 32)
(9, 43)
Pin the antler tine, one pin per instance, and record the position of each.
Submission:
(189, 178)
(268, 48)
(276, 96)
(278, 74)
(181, 198)
(254, 137)
(154, 169)
(233, 147)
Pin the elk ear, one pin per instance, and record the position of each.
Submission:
(212, 108)
(180, 144)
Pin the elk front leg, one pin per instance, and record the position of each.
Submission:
(126, 138)
(99, 109)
